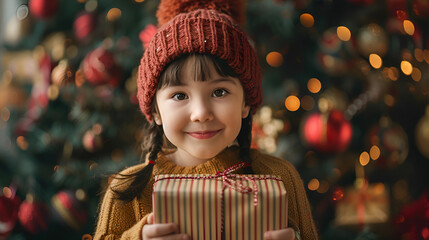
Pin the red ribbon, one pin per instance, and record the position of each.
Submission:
(230, 180)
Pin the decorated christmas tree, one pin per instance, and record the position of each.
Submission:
(346, 100)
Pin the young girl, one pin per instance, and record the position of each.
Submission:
(199, 84)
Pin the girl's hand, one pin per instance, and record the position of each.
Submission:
(286, 234)
(167, 231)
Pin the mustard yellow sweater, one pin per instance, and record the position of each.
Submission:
(117, 220)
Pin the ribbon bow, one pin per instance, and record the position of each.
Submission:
(230, 180)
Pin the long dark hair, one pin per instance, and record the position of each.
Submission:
(153, 140)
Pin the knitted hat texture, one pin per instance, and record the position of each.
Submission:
(199, 31)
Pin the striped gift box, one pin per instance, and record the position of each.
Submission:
(222, 206)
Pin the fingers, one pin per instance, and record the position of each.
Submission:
(286, 234)
(156, 230)
(150, 218)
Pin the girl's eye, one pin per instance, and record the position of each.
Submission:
(220, 93)
(179, 96)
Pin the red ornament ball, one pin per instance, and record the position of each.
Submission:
(327, 132)
(146, 35)
(84, 25)
(99, 67)
(43, 8)
(68, 210)
(8, 215)
(33, 216)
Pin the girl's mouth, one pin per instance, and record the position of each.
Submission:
(203, 134)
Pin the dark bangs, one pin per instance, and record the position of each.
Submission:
(171, 75)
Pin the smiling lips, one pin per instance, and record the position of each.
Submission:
(203, 134)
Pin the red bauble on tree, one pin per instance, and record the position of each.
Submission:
(33, 216)
(99, 67)
(43, 8)
(69, 210)
(413, 220)
(84, 25)
(8, 214)
(327, 132)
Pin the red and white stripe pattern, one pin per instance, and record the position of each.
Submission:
(210, 207)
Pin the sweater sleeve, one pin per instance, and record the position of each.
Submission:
(299, 210)
(118, 220)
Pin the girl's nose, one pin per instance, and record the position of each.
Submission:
(201, 111)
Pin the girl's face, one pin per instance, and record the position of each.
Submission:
(201, 118)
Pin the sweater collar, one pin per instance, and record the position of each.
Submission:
(223, 160)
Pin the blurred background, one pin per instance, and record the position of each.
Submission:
(346, 87)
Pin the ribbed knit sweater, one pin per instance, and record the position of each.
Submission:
(118, 220)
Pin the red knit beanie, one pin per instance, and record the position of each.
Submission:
(199, 27)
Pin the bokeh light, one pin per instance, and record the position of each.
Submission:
(375, 61)
(408, 27)
(416, 75)
(314, 184)
(406, 67)
(307, 102)
(314, 85)
(307, 20)
(343, 33)
(114, 14)
(418, 54)
(389, 100)
(374, 152)
(364, 158)
(292, 103)
(274, 59)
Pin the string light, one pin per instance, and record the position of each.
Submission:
(314, 184)
(80, 194)
(343, 33)
(7, 192)
(91, 5)
(374, 152)
(416, 75)
(406, 67)
(307, 20)
(314, 85)
(418, 54)
(114, 14)
(22, 143)
(375, 61)
(307, 102)
(389, 100)
(364, 158)
(324, 187)
(274, 59)
(393, 73)
(408, 27)
(292, 103)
